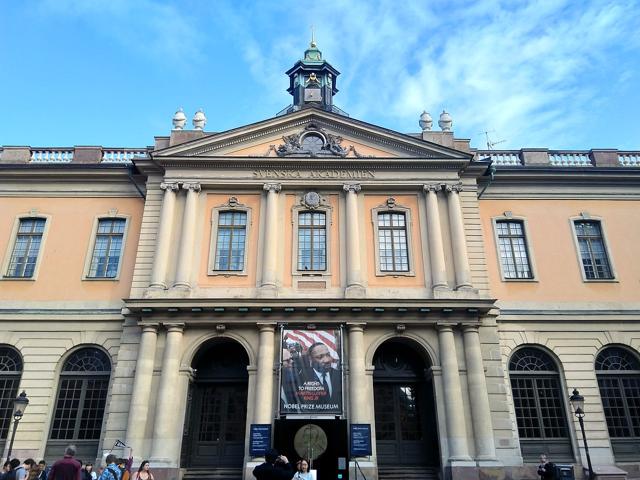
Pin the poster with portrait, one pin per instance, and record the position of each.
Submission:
(311, 371)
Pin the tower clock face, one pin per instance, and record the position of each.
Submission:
(312, 95)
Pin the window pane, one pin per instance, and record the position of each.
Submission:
(513, 250)
(593, 254)
(312, 247)
(26, 248)
(392, 242)
(107, 248)
(230, 242)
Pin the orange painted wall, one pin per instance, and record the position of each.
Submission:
(558, 270)
(410, 202)
(66, 246)
(249, 280)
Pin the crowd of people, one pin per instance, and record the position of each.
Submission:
(71, 468)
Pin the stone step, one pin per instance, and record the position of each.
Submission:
(213, 474)
(408, 472)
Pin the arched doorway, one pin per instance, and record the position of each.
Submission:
(217, 411)
(406, 429)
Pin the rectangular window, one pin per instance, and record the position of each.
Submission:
(392, 242)
(107, 248)
(513, 250)
(26, 248)
(312, 241)
(593, 253)
(230, 244)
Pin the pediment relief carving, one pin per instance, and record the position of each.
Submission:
(312, 141)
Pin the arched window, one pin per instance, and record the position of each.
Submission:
(539, 405)
(81, 400)
(10, 373)
(618, 374)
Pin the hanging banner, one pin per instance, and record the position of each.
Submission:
(311, 371)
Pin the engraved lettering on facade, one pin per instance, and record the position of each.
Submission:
(328, 174)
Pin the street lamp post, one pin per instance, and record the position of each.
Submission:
(577, 402)
(19, 406)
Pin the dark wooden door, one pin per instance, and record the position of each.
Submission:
(218, 425)
(400, 424)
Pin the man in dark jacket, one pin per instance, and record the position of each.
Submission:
(275, 467)
(67, 468)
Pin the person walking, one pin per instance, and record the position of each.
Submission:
(43, 470)
(111, 471)
(67, 468)
(275, 467)
(144, 472)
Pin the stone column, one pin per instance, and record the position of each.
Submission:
(454, 408)
(355, 288)
(139, 407)
(357, 375)
(456, 222)
(270, 248)
(185, 254)
(480, 411)
(434, 239)
(264, 380)
(163, 240)
(165, 447)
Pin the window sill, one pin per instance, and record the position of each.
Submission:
(395, 274)
(517, 280)
(19, 279)
(226, 273)
(600, 280)
(101, 279)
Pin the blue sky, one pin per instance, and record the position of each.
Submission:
(556, 74)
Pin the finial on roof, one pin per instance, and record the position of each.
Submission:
(425, 121)
(445, 122)
(179, 119)
(199, 120)
(313, 39)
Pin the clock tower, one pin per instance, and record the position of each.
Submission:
(313, 82)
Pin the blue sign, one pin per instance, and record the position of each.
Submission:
(360, 444)
(259, 439)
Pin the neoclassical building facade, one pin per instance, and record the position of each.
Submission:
(179, 299)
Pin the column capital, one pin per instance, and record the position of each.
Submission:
(352, 187)
(266, 326)
(453, 188)
(356, 326)
(192, 186)
(153, 328)
(174, 327)
(169, 187)
(470, 328)
(445, 327)
(434, 187)
(276, 187)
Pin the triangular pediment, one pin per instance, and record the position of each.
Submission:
(336, 137)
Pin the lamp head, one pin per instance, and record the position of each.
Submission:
(577, 402)
(19, 405)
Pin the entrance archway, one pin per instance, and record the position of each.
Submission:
(406, 429)
(215, 431)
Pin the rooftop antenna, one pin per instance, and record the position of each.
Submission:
(491, 144)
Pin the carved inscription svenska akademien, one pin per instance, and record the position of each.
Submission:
(317, 174)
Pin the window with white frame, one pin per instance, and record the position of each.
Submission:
(392, 242)
(107, 248)
(312, 241)
(593, 252)
(24, 256)
(230, 241)
(514, 255)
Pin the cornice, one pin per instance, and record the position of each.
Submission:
(345, 125)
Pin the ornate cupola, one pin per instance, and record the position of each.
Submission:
(312, 82)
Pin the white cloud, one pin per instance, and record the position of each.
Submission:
(530, 70)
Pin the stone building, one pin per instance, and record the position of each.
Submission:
(163, 298)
